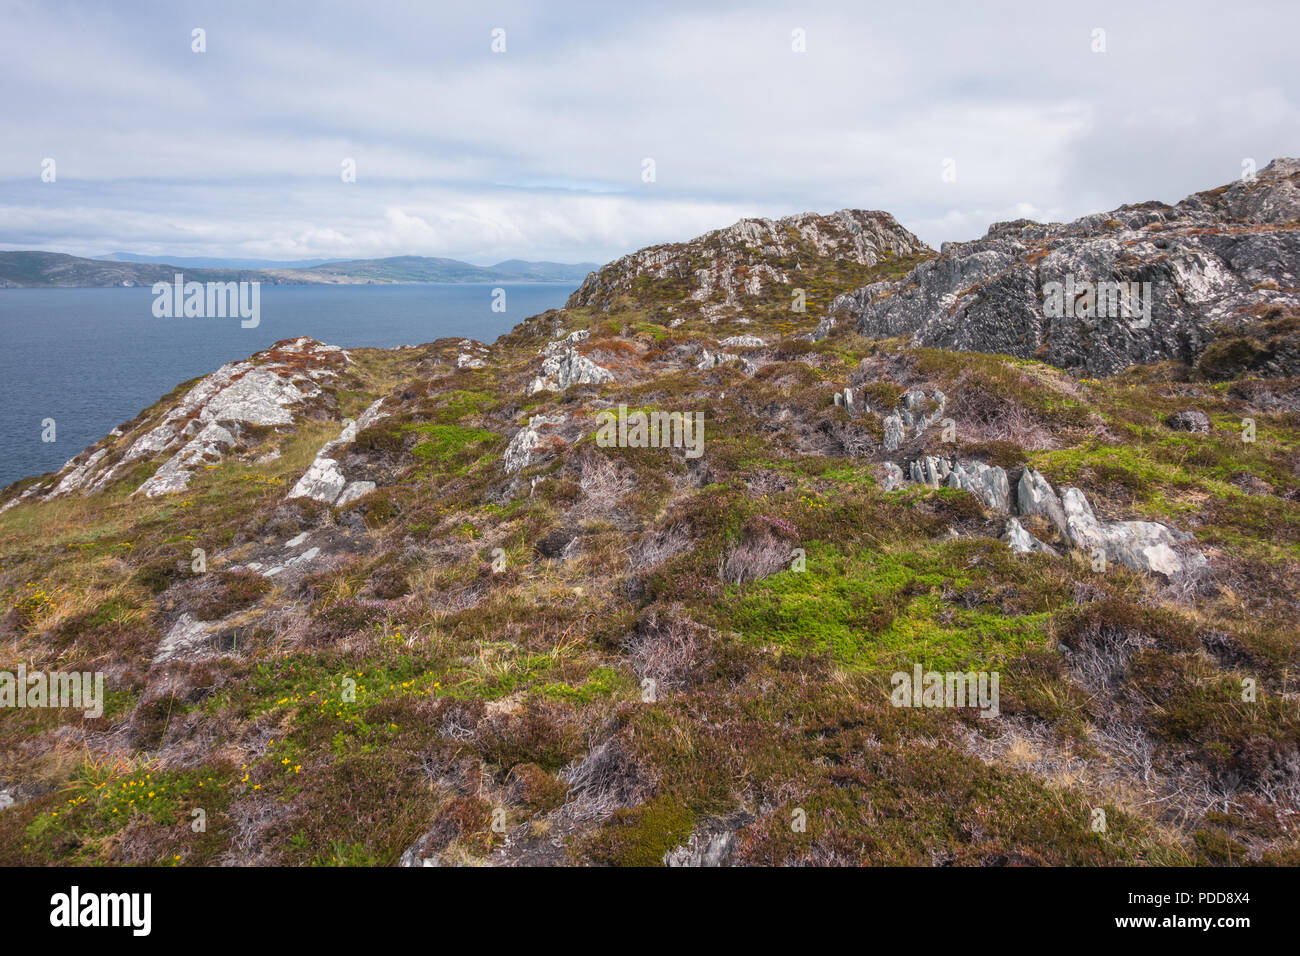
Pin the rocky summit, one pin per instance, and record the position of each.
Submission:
(1208, 276)
(797, 542)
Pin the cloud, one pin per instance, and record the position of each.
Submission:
(537, 152)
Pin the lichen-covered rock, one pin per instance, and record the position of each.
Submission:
(822, 330)
(519, 452)
(930, 470)
(564, 366)
(1189, 420)
(271, 389)
(988, 483)
(1205, 261)
(894, 432)
(710, 360)
(742, 342)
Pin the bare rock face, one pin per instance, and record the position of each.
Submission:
(564, 365)
(1032, 290)
(894, 433)
(472, 354)
(1142, 545)
(988, 483)
(519, 452)
(1021, 541)
(324, 480)
(711, 360)
(722, 266)
(822, 330)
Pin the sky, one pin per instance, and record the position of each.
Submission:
(950, 116)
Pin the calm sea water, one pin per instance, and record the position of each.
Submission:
(91, 359)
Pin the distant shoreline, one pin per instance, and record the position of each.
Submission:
(311, 285)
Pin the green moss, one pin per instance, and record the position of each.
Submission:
(640, 836)
(877, 609)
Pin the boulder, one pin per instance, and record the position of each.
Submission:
(1189, 420)
(1142, 545)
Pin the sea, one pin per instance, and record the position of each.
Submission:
(91, 359)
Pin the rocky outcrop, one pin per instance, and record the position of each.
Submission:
(324, 480)
(711, 360)
(564, 365)
(822, 330)
(988, 483)
(894, 433)
(1020, 540)
(723, 266)
(519, 452)
(1142, 545)
(1057, 292)
(219, 415)
(1035, 498)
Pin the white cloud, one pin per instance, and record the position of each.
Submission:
(537, 153)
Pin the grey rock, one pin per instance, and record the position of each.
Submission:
(187, 638)
(710, 360)
(354, 490)
(988, 483)
(1189, 420)
(930, 471)
(564, 366)
(1142, 545)
(822, 330)
(324, 480)
(1035, 498)
(1020, 540)
(703, 850)
(519, 452)
(989, 295)
(893, 432)
(892, 477)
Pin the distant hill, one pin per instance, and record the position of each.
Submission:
(207, 262)
(54, 269)
(35, 269)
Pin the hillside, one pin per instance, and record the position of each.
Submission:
(411, 607)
